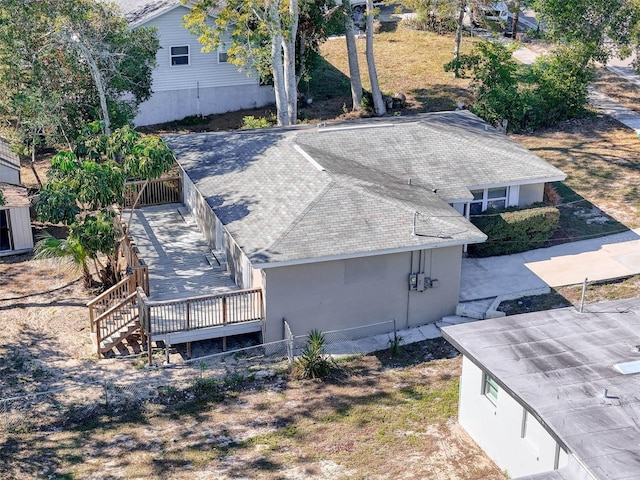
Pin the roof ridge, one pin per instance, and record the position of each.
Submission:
(302, 214)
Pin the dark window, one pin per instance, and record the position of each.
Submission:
(180, 55)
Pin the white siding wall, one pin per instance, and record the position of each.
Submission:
(20, 230)
(498, 428)
(202, 87)
(203, 68)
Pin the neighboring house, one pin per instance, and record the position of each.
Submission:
(186, 81)
(15, 222)
(552, 395)
(354, 223)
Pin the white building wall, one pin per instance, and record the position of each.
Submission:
(204, 86)
(531, 194)
(20, 230)
(498, 429)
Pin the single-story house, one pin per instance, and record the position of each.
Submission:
(353, 223)
(187, 81)
(15, 222)
(554, 394)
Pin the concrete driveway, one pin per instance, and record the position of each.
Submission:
(533, 272)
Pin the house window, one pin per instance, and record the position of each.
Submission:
(477, 203)
(180, 55)
(488, 198)
(490, 388)
(223, 56)
(5, 231)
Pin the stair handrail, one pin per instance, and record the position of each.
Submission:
(117, 325)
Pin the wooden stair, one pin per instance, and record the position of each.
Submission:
(122, 340)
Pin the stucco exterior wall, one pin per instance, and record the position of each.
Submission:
(347, 293)
(204, 86)
(166, 106)
(498, 429)
(531, 194)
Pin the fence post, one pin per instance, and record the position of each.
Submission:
(584, 291)
(188, 320)
(289, 338)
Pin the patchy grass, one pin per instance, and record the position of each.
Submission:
(601, 158)
(570, 295)
(349, 426)
(407, 61)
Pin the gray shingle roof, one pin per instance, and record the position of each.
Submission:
(559, 362)
(280, 208)
(138, 11)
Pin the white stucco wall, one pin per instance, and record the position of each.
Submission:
(204, 86)
(531, 194)
(347, 293)
(498, 428)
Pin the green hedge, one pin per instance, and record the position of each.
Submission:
(514, 231)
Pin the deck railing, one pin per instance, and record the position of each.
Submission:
(195, 313)
(157, 192)
(115, 319)
(167, 316)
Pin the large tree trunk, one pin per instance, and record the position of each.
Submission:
(276, 64)
(352, 55)
(456, 52)
(378, 103)
(516, 17)
(97, 80)
(289, 48)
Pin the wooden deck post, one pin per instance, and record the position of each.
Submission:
(224, 322)
(188, 328)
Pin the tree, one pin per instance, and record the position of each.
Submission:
(518, 97)
(2, 200)
(601, 27)
(77, 61)
(352, 56)
(84, 185)
(256, 27)
(378, 103)
(458, 42)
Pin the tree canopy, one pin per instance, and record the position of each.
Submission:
(601, 27)
(64, 63)
(82, 188)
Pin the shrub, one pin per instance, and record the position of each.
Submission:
(514, 231)
(314, 362)
(250, 122)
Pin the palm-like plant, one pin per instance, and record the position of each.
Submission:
(314, 362)
(68, 251)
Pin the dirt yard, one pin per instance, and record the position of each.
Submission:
(377, 417)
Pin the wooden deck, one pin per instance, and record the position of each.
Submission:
(177, 255)
(185, 295)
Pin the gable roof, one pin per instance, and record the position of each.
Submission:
(7, 157)
(559, 363)
(306, 194)
(15, 196)
(141, 11)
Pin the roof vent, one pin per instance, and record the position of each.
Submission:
(627, 368)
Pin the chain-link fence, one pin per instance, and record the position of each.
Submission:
(77, 402)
